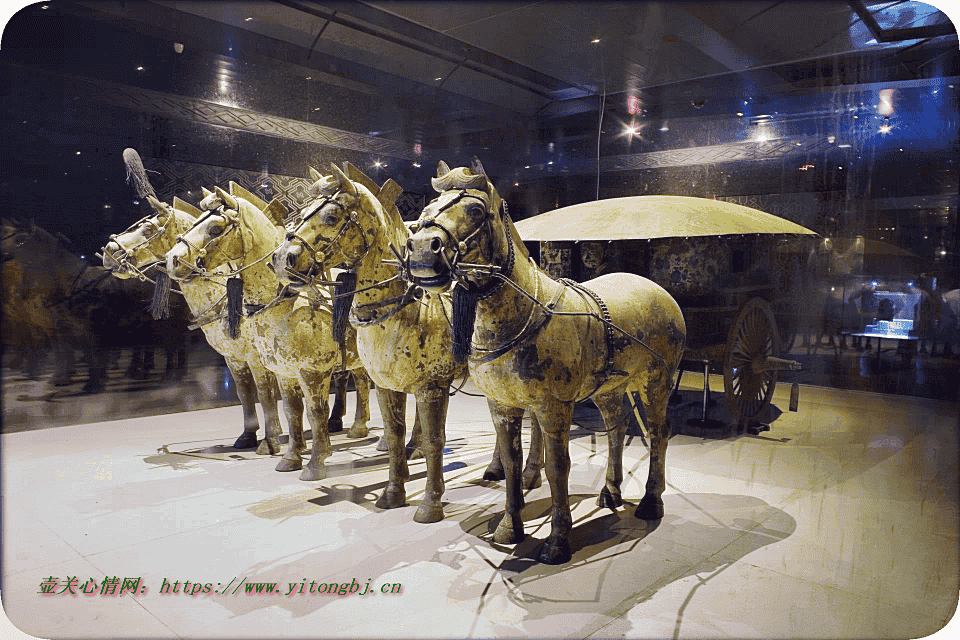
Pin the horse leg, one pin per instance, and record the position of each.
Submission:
(494, 471)
(651, 506)
(611, 408)
(555, 424)
(412, 450)
(507, 422)
(531, 472)
(293, 409)
(361, 381)
(432, 410)
(267, 392)
(393, 407)
(247, 394)
(339, 384)
(316, 395)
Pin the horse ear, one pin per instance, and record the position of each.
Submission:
(345, 184)
(315, 175)
(442, 169)
(206, 192)
(157, 205)
(228, 199)
(185, 207)
(389, 193)
(476, 168)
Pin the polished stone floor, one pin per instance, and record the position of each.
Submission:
(839, 522)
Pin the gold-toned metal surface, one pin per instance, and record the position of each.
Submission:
(649, 217)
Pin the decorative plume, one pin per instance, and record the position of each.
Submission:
(464, 317)
(459, 178)
(341, 305)
(234, 306)
(160, 305)
(137, 173)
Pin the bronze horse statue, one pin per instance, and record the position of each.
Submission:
(292, 335)
(403, 341)
(538, 344)
(136, 252)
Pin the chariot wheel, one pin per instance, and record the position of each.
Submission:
(747, 382)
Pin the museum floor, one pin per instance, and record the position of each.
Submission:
(841, 521)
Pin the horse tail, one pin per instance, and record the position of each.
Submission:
(342, 301)
(160, 305)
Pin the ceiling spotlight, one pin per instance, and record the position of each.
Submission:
(595, 40)
(139, 68)
(178, 47)
(632, 130)
(438, 79)
(885, 128)
(247, 19)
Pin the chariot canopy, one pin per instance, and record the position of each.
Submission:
(649, 217)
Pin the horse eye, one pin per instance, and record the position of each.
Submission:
(330, 220)
(475, 211)
(216, 230)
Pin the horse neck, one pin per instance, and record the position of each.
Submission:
(371, 268)
(525, 275)
(259, 238)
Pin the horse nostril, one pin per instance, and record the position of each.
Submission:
(410, 245)
(436, 245)
(291, 260)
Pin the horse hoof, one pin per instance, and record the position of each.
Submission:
(428, 513)
(382, 444)
(313, 473)
(267, 448)
(558, 553)
(247, 441)
(413, 453)
(286, 464)
(530, 481)
(334, 426)
(609, 500)
(649, 509)
(494, 474)
(392, 499)
(509, 531)
(358, 431)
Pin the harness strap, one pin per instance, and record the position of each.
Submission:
(608, 370)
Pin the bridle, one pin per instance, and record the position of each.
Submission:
(459, 269)
(233, 224)
(122, 256)
(319, 255)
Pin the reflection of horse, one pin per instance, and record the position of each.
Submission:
(404, 342)
(141, 247)
(293, 337)
(543, 345)
(55, 300)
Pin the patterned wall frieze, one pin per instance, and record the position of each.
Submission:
(704, 155)
(197, 110)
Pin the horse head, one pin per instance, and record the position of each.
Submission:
(337, 228)
(145, 242)
(463, 226)
(215, 238)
